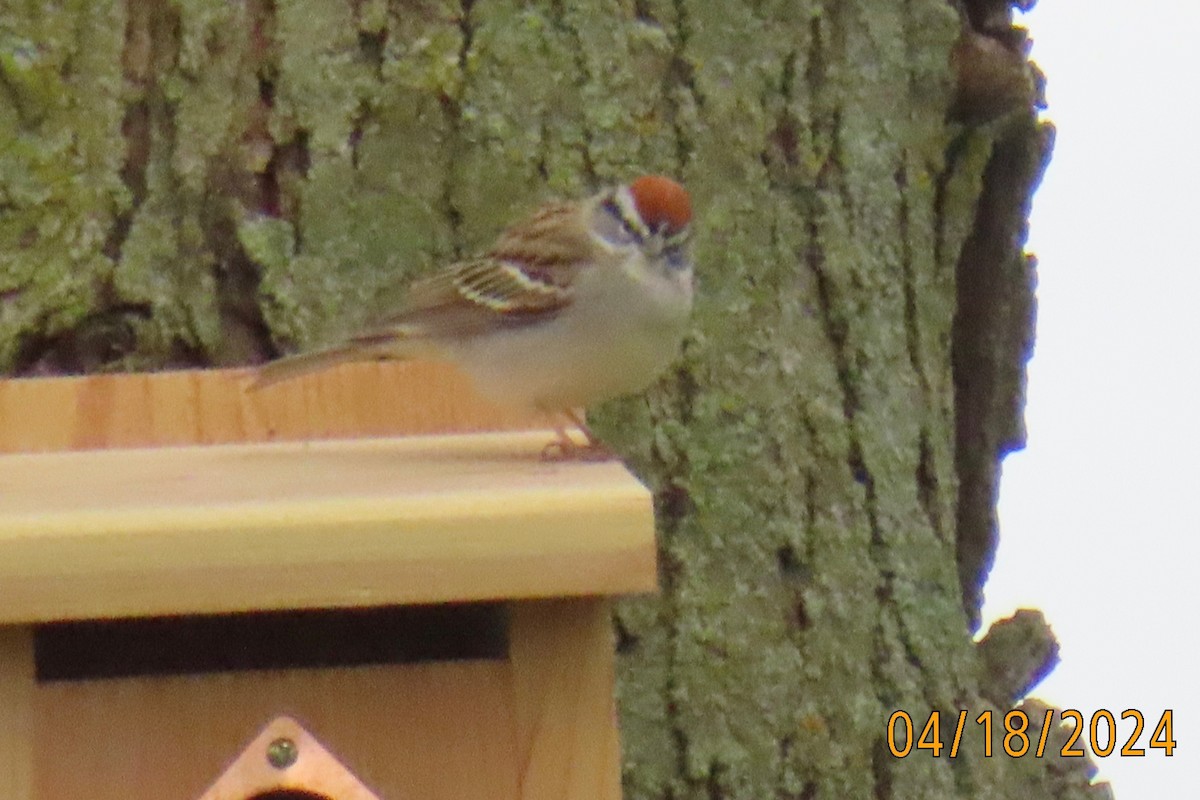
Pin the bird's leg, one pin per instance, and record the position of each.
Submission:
(564, 447)
(575, 415)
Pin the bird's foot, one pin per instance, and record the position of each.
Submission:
(564, 448)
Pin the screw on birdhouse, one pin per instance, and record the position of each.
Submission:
(282, 753)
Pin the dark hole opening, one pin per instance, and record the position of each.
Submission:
(83, 650)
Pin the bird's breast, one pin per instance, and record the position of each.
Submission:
(615, 338)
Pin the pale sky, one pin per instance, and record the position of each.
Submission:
(1098, 520)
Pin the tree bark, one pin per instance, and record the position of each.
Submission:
(186, 183)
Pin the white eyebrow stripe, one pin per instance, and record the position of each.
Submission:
(623, 199)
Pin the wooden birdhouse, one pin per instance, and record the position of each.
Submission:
(338, 588)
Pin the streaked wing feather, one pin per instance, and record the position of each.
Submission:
(507, 288)
(513, 284)
(472, 297)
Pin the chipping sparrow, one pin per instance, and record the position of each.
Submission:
(582, 301)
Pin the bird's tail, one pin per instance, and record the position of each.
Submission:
(367, 348)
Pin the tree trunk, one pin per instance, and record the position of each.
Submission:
(191, 183)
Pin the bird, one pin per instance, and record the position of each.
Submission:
(582, 301)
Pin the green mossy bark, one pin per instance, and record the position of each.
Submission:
(188, 182)
(61, 152)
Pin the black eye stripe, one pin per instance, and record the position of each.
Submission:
(613, 208)
(610, 205)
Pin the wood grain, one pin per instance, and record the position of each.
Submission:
(437, 731)
(562, 657)
(213, 407)
(539, 725)
(180, 493)
(341, 523)
(16, 713)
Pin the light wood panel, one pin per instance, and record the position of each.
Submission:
(539, 725)
(179, 493)
(562, 657)
(320, 524)
(213, 407)
(438, 731)
(16, 713)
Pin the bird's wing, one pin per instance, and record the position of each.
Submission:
(514, 284)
